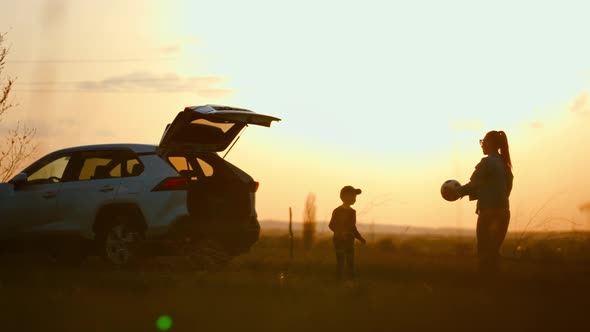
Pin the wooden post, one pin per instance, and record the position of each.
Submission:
(291, 231)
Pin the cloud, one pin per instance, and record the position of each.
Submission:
(206, 86)
(54, 12)
(169, 49)
(581, 104)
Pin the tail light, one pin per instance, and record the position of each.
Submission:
(254, 186)
(175, 183)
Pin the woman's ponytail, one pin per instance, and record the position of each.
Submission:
(503, 146)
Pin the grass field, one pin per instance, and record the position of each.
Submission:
(404, 284)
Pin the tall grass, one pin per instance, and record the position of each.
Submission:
(309, 221)
(404, 282)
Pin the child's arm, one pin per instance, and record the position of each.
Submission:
(332, 224)
(356, 233)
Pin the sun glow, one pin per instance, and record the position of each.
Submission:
(388, 97)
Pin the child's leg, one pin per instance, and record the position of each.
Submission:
(340, 261)
(350, 260)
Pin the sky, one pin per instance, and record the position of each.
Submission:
(388, 96)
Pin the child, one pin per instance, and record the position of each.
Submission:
(343, 224)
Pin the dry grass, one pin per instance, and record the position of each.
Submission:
(405, 283)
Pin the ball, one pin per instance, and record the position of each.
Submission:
(448, 190)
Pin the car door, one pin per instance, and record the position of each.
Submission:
(34, 203)
(96, 180)
(209, 128)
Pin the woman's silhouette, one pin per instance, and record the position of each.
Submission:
(490, 185)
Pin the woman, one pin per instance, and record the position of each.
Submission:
(490, 185)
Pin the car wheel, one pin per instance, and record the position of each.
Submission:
(120, 243)
(208, 254)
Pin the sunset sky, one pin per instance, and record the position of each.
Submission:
(388, 96)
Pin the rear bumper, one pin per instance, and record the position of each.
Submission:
(250, 234)
(235, 235)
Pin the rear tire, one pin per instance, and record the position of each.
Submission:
(119, 244)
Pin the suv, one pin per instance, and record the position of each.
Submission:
(127, 199)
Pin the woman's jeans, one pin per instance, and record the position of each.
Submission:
(492, 225)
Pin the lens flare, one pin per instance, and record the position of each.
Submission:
(164, 323)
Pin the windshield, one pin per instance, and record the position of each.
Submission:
(224, 127)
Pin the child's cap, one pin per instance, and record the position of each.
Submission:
(349, 190)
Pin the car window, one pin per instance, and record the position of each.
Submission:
(95, 167)
(183, 166)
(51, 171)
(191, 166)
(205, 167)
(134, 167)
(116, 171)
(101, 165)
(180, 163)
(225, 127)
(108, 164)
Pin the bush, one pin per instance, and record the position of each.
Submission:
(386, 244)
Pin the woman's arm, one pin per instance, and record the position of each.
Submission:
(477, 178)
(509, 180)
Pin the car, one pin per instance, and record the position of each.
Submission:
(125, 201)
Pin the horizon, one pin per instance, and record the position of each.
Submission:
(382, 228)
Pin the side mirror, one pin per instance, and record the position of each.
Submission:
(19, 179)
